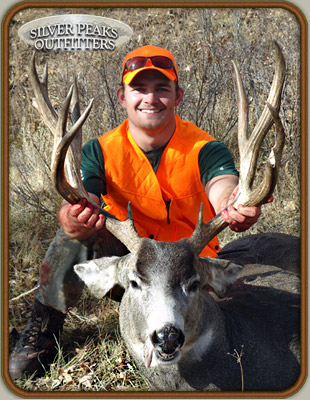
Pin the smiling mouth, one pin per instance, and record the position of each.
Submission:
(147, 111)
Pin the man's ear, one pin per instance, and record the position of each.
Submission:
(120, 94)
(218, 273)
(99, 275)
(179, 96)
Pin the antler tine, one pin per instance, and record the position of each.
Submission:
(42, 104)
(73, 159)
(205, 232)
(69, 193)
(249, 149)
(243, 107)
(267, 186)
(129, 235)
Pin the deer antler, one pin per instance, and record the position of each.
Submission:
(123, 230)
(57, 125)
(248, 149)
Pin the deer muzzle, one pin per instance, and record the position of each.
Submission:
(167, 343)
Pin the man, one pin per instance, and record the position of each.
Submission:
(165, 166)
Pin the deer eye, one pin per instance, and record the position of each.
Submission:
(193, 287)
(134, 284)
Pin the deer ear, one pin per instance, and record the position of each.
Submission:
(99, 275)
(218, 273)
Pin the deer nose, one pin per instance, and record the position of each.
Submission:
(168, 338)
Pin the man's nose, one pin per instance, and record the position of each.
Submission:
(150, 97)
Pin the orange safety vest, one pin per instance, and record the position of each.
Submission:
(177, 182)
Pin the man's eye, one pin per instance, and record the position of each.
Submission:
(163, 89)
(137, 89)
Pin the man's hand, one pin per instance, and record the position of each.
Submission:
(221, 192)
(243, 218)
(82, 219)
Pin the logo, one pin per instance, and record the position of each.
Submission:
(73, 32)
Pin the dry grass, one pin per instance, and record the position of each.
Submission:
(92, 355)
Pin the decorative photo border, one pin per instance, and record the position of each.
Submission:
(37, 5)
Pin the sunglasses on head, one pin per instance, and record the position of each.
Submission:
(157, 61)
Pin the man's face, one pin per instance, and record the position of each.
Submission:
(150, 100)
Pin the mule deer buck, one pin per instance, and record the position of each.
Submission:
(181, 336)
